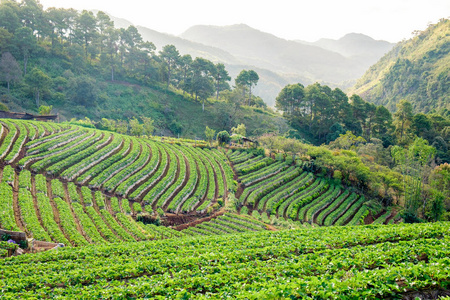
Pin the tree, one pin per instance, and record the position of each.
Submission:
(169, 56)
(414, 164)
(247, 79)
(223, 137)
(239, 129)
(39, 82)
(83, 90)
(86, 29)
(221, 77)
(201, 84)
(291, 100)
(403, 117)
(45, 110)
(382, 126)
(9, 69)
(148, 125)
(136, 129)
(209, 133)
(26, 42)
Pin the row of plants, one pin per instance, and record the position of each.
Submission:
(29, 217)
(345, 262)
(90, 229)
(155, 193)
(272, 200)
(189, 188)
(78, 153)
(48, 219)
(167, 196)
(146, 173)
(252, 195)
(8, 174)
(93, 159)
(57, 189)
(25, 179)
(53, 141)
(40, 182)
(7, 219)
(263, 173)
(205, 175)
(382, 219)
(68, 224)
(231, 184)
(360, 215)
(351, 211)
(57, 156)
(114, 225)
(292, 211)
(308, 212)
(116, 163)
(332, 207)
(19, 143)
(256, 165)
(129, 169)
(8, 141)
(144, 183)
(73, 192)
(101, 226)
(341, 209)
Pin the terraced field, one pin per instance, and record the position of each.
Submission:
(275, 188)
(77, 185)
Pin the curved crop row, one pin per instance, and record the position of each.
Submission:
(307, 212)
(129, 170)
(93, 159)
(343, 207)
(285, 191)
(19, 143)
(29, 216)
(68, 224)
(293, 208)
(263, 173)
(9, 139)
(7, 220)
(145, 173)
(350, 211)
(88, 226)
(48, 219)
(333, 206)
(78, 153)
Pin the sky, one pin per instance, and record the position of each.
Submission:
(390, 20)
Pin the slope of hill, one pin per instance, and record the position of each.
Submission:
(367, 262)
(416, 70)
(78, 185)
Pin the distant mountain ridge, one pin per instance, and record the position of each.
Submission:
(277, 61)
(417, 70)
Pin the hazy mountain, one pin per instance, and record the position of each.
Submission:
(265, 50)
(356, 45)
(417, 70)
(277, 61)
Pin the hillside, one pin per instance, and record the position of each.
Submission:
(416, 70)
(94, 181)
(370, 262)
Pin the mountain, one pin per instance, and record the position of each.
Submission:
(417, 70)
(356, 45)
(267, 51)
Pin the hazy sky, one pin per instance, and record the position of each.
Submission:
(391, 20)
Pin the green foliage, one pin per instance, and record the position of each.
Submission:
(223, 137)
(45, 110)
(415, 70)
(209, 133)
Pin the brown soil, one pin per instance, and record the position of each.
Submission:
(186, 176)
(191, 220)
(16, 207)
(391, 216)
(369, 219)
(426, 294)
(55, 211)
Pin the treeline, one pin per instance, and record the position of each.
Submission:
(323, 114)
(78, 48)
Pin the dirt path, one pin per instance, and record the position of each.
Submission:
(16, 207)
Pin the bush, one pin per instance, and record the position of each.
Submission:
(223, 137)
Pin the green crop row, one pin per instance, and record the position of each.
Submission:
(307, 212)
(338, 211)
(48, 219)
(114, 164)
(130, 169)
(350, 211)
(93, 159)
(263, 173)
(8, 141)
(78, 153)
(7, 219)
(292, 210)
(145, 173)
(285, 191)
(88, 226)
(335, 204)
(68, 224)
(29, 216)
